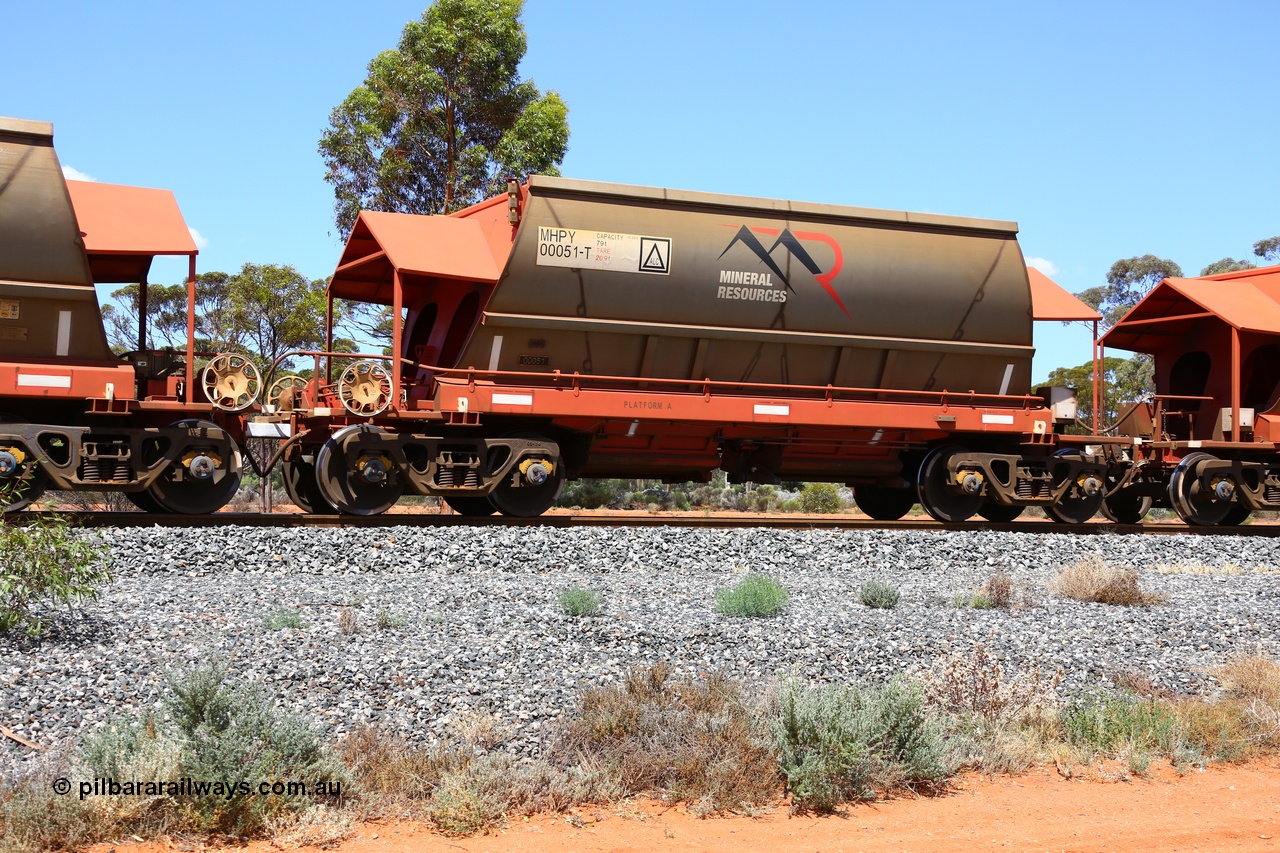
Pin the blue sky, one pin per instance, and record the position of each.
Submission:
(1106, 130)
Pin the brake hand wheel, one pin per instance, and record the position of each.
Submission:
(231, 382)
(364, 388)
(285, 393)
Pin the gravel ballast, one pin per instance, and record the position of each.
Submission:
(475, 626)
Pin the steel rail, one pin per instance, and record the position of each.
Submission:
(713, 521)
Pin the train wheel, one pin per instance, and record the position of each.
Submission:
(369, 487)
(884, 504)
(202, 484)
(1125, 508)
(939, 498)
(531, 490)
(999, 513)
(471, 507)
(1237, 516)
(300, 483)
(20, 491)
(1193, 503)
(1077, 506)
(22, 481)
(144, 501)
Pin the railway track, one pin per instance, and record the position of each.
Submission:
(643, 519)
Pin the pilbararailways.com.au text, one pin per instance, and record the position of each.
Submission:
(188, 787)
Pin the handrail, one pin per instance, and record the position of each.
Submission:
(705, 385)
(574, 381)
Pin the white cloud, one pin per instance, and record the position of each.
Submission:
(1047, 267)
(199, 239)
(76, 175)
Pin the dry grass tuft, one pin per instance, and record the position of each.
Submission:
(392, 774)
(317, 826)
(1000, 590)
(348, 623)
(1139, 684)
(1253, 678)
(479, 729)
(694, 740)
(1204, 569)
(1091, 579)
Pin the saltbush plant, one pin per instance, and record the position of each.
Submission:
(577, 601)
(880, 595)
(819, 498)
(285, 618)
(755, 595)
(842, 744)
(223, 733)
(44, 560)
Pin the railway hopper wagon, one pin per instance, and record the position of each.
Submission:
(1205, 444)
(573, 329)
(73, 415)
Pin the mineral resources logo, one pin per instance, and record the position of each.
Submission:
(761, 286)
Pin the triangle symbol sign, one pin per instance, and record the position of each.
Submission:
(655, 261)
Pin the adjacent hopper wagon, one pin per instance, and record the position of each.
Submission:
(574, 329)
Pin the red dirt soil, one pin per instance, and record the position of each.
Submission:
(1223, 808)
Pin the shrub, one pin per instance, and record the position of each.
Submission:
(576, 601)
(842, 744)
(1091, 579)
(1251, 678)
(1253, 686)
(1103, 723)
(468, 802)
(763, 498)
(593, 494)
(387, 619)
(974, 685)
(1000, 590)
(821, 498)
(880, 595)
(693, 740)
(34, 819)
(44, 560)
(755, 595)
(286, 618)
(227, 734)
(385, 767)
(977, 600)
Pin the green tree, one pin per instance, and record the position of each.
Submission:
(219, 325)
(1124, 380)
(1227, 265)
(440, 120)
(1268, 249)
(166, 317)
(1128, 281)
(274, 309)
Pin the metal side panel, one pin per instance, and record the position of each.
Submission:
(39, 238)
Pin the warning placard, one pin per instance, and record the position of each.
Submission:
(603, 250)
